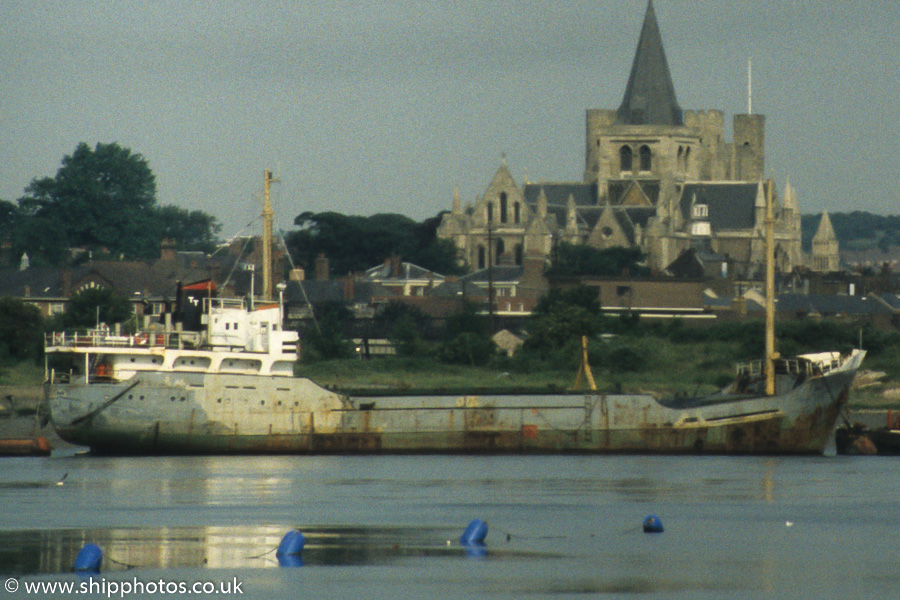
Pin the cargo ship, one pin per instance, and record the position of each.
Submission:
(231, 388)
(227, 384)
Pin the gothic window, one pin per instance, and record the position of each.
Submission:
(503, 203)
(625, 159)
(490, 212)
(517, 214)
(481, 261)
(646, 158)
(518, 253)
(500, 250)
(687, 159)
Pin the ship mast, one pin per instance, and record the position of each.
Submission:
(770, 292)
(268, 213)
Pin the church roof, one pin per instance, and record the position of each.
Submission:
(731, 205)
(619, 187)
(585, 194)
(650, 95)
(825, 232)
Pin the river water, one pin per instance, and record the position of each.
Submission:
(388, 527)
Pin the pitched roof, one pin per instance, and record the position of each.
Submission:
(407, 271)
(618, 188)
(824, 304)
(650, 95)
(731, 205)
(501, 274)
(585, 194)
(825, 232)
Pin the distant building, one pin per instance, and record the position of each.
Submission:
(656, 177)
(825, 255)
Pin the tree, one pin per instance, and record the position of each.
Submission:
(102, 199)
(89, 306)
(191, 230)
(576, 259)
(21, 331)
(355, 243)
(104, 196)
(562, 316)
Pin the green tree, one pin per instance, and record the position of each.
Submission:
(467, 338)
(356, 243)
(102, 199)
(326, 340)
(104, 196)
(88, 306)
(21, 331)
(561, 317)
(192, 230)
(577, 259)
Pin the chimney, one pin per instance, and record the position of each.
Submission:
(396, 262)
(322, 267)
(348, 288)
(66, 283)
(532, 282)
(167, 249)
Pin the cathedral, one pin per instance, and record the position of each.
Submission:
(656, 177)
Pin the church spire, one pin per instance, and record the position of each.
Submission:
(650, 95)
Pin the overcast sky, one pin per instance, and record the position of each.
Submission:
(365, 107)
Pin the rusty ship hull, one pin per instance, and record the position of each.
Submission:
(219, 413)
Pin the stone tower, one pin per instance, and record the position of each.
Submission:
(656, 177)
(825, 252)
(749, 163)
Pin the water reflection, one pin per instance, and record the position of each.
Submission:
(54, 551)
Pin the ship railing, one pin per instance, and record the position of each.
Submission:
(95, 338)
(785, 366)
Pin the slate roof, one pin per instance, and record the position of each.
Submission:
(42, 282)
(618, 187)
(892, 300)
(457, 288)
(731, 205)
(650, 95)
(501, 274)
(585, 194)
(407, 271)
(332, 291)
(825, 304)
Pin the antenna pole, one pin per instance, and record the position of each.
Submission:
(749, 86)
(770, 292)
(268, 213)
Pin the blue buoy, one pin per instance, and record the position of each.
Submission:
(290, 560)
(291, 544)
(89, 559)
(475, 533)
(652, 524)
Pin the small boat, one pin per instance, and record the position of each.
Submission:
(861, 439)
(36, 446)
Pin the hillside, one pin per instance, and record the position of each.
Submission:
(857, 231)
